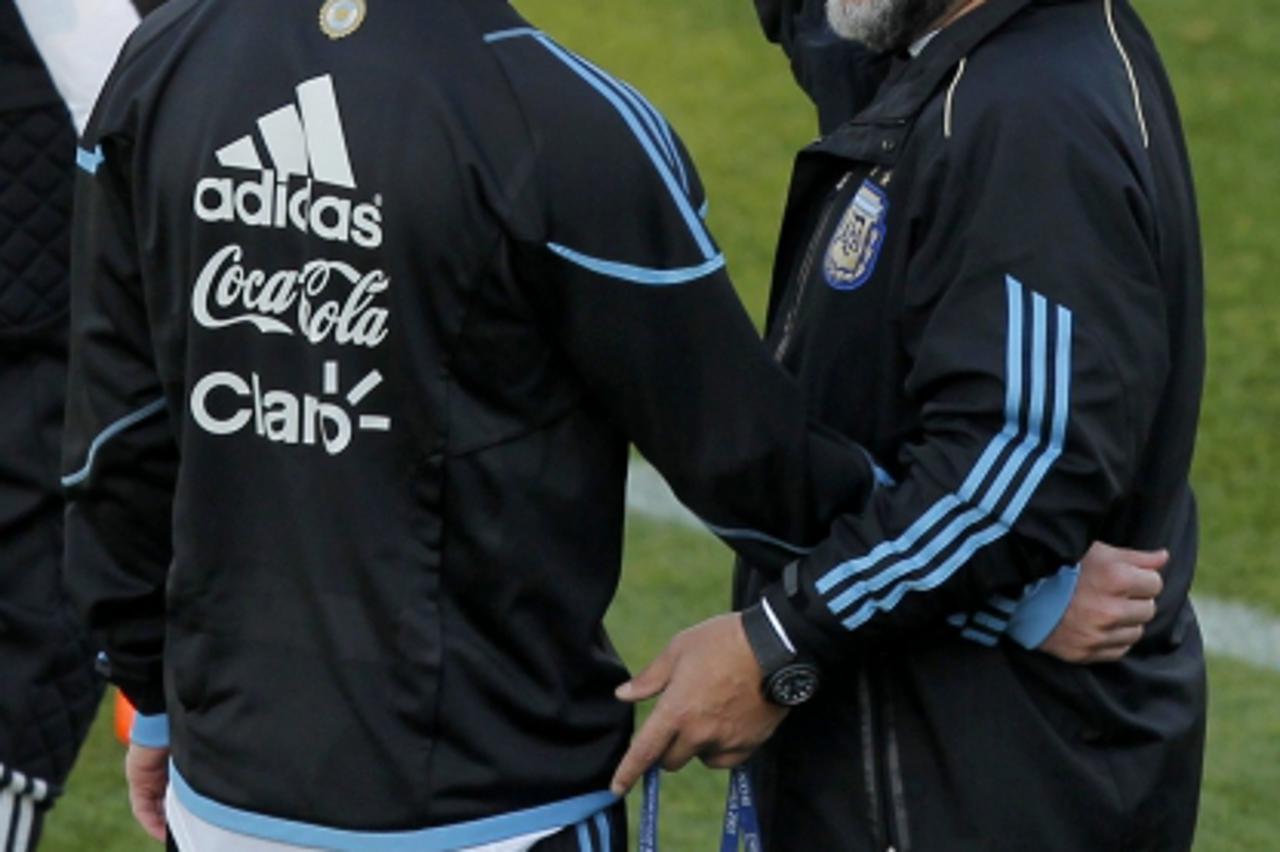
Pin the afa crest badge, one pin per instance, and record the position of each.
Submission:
(341, 18)
(859, 237)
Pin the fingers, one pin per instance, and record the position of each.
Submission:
(1125, 571)
(648, 746)
(1103, 629)
(711, 704)
(652, 680)
(1136, 613)
(1118, 616)
(660, 743)
(1100, 552)
(1105, 648)
(1104, 655)
(1118, 578)
(1123, 637)
(1151, 560)
(1142, 582)
(679, 752)
(1117, 644)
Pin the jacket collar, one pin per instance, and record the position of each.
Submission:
(876, 135)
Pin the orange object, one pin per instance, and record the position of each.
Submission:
(124, 717)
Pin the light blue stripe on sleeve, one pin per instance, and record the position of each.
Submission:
(106, 435)
(648, 115)
(978, 636)
(658, 125)
(639, 274)
(1032, 438)
(1062, 401)
(990, 622)
(754, 535)
(1014, 348)
(1002, 603)
(886, 549)
(678, 194)
(517, 32)
(664, 129)
(1062, 406)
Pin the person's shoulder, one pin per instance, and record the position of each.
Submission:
(569, 97)
(1054, 75)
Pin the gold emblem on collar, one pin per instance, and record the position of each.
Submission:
(340, 18)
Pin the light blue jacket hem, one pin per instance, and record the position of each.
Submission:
(440, 839)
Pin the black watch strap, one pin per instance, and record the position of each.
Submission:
(788, 681)
(771, 653)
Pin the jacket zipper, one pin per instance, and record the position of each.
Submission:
(899, 836)
(870, 757)
(806, 267)
(882, 767)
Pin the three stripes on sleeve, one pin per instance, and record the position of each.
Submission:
(997, 488)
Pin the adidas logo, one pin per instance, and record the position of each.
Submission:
(307, 147)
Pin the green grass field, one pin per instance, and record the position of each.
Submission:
(731, 98)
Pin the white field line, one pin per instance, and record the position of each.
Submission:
(1230, 629)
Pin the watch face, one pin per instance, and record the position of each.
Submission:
(793, 685)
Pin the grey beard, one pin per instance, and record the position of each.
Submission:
(884, 25)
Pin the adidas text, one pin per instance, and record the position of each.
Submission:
(270, 203)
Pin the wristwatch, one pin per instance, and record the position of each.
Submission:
(789, 680)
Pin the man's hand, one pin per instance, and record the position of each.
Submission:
(147, 771)
(711, 705)
(1114, 600)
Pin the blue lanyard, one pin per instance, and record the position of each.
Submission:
(741, 820)
(649, 811)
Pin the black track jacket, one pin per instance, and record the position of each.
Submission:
(365, 311)
(990, 276)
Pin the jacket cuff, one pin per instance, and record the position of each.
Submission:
(1042, 607)
(792, 616)
(150, 731)
(146, 694)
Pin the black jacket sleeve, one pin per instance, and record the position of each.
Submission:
(635, 290)
(838, 75)
(119, 456)
(1035, 324)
